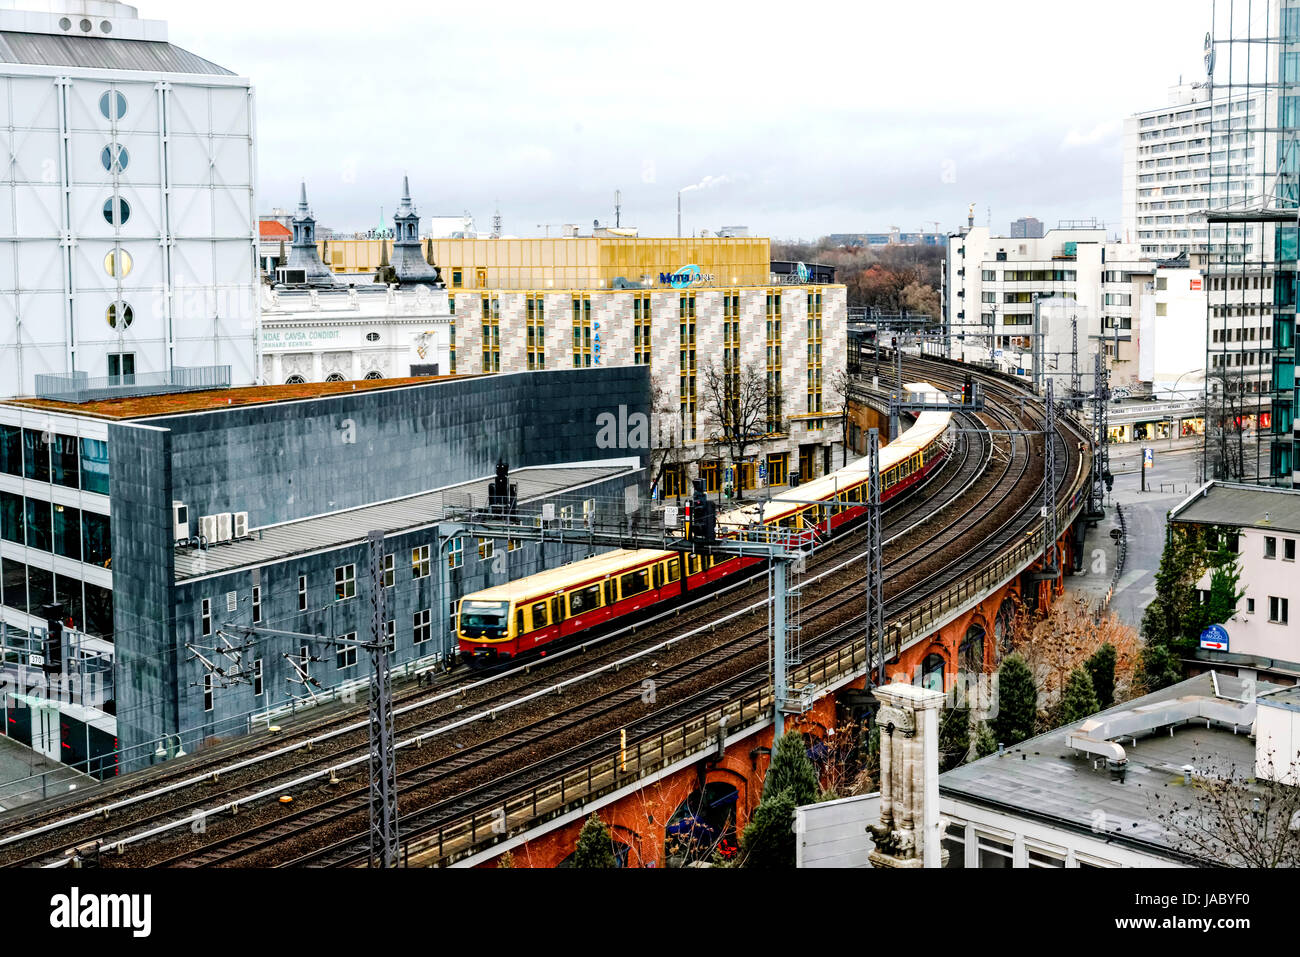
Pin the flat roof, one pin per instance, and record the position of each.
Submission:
(351, 526)
(176, 403)
(1043, 778)
(1241, 506)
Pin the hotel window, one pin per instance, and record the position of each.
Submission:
(1288, 549)
(774, 397)
(641, 328)
(457, 279)
(257, 604)
(485, 549)
(345, 656)
(420, 561)
(420, 626)
(388, 570)
(731, 346)
(686, 362)
(390, 635)
(456, 553)
(1270, 547)
(302, 592)
(205, 610)
(814, 363)
(345, 582)
(451, 350)
(491, 334)
(581, 331)
(207, 692)
(1278, 610)
(257, 678)
(535, 320)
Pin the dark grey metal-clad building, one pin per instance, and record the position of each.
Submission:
(282, 483)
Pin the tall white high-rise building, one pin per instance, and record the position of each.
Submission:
(1169, 153)
(127, 216)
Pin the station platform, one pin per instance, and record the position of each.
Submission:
(27, 776)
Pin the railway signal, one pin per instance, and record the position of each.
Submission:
(53, 615)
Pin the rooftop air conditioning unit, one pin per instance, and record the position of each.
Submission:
(241, 525)
(180, 522)
(208, 528)
(224, 526)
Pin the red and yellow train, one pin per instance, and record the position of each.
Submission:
(529, 614)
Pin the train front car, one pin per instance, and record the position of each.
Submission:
(526, 616)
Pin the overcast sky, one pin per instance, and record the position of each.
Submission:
(803, 119)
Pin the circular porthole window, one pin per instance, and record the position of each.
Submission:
(118, 264)
(122, 213)
(374, 375)
(295, 380)
(86, 26)
(105, 26)
(334, 377)
(112, 104)
(372, 337)
(115, 157)
(120, 311)
(65, 23)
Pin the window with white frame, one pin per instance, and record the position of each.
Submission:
(345, 582)
(992, 851)
(207, 692)
(302, 592)
(258, 687)
(345, 656)
(420, 561)
(485, 549)
(257, 604)
(388, 570)
(205, 614)
(420, 624)
(456, 553)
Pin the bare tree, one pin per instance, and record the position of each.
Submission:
(735, 406)
(1227, 816)
(1225, 446)
(665, 427)
(841, 386)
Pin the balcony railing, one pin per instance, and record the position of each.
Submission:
(80, 387)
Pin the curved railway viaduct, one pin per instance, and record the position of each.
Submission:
(722, 753)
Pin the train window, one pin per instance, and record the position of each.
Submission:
(557, 609)
(610, 597)
(855, 493)
(694, 565)
(634, 583)
(539, 615)
(584, 600)
(519, 621)
(659, 576)
(674, 569)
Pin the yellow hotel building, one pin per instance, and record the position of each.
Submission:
(583, 262)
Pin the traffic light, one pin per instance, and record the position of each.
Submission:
(503, 497)
(727, 490)
(53, 615)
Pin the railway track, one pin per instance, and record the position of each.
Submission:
(159, 802)
(512, 750)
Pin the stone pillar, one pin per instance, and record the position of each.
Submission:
(908, 834)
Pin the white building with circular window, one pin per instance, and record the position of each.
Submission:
(127, 207)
